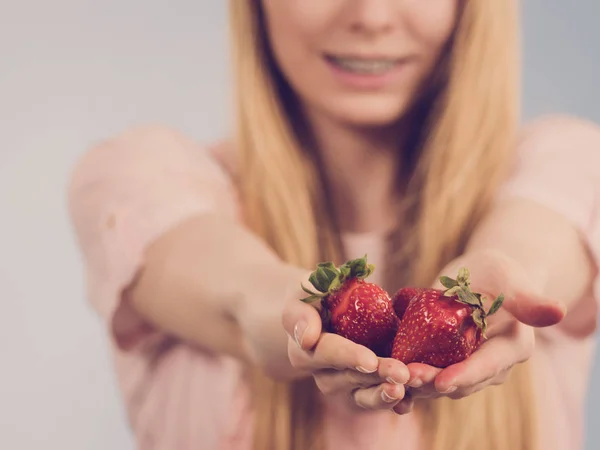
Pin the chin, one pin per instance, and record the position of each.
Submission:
(374, 112)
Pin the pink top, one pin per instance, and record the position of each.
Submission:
(133, 188)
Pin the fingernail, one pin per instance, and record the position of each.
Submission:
(392, 381)
(299, 330)
(449, 390)
(415, 383)
(387, 398)
(363, 370)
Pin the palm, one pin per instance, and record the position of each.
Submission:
(510, 335)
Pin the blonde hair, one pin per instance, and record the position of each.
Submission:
(464, 149)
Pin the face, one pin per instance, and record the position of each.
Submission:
(358, 61)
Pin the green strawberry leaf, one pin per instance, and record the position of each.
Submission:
(310, 299)
(452, 291)
(345, 271)
(496, 305)
(480, 298)
(323, 276)
(357, 268)
(336, 283)
(463, 276)
(448, 282)
(327, 277)
(479, 319)
(467, 297)
(328, 265)
(313, 296)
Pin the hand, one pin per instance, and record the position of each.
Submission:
(342, 369)
(510, 334)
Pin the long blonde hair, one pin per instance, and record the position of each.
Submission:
(464, 146)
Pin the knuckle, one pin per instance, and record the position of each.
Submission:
(351, 378)
(500, 378)
(330, 353)
(359, 398)
(324, 384)
(297, 359)
(331, 360)
(339, 355)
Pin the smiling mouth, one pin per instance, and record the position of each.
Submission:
(364, 66)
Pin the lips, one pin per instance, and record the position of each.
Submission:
(365, 66)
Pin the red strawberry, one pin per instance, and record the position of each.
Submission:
(359, 311)
(441, 328)
(402, 298)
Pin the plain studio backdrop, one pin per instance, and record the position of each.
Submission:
(75, 71)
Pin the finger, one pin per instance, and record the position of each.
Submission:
(465, 392)
(331, 381)
(393, 371)
(384, 396)
(500, 324)
(514, 347)
(423, 385)
(525, 305)
(333, 352)
(492, 358)
(302, 323)
(421, 374)
(493, 273)
(406, 405)
(534, 310)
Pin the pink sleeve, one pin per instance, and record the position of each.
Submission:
(558, 165)
(123, 194)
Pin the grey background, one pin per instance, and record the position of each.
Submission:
(75, 71)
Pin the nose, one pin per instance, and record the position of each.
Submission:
(373, 16)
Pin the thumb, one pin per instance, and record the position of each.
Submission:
(534, 310)
(493, 274)
(302, 323)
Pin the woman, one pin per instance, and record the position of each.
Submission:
(379, 127)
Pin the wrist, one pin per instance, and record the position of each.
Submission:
(258, 312)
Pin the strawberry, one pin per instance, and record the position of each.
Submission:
(353, 308)
(442, 327)
(402, 298)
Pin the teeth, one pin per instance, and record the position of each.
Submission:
(365, 66)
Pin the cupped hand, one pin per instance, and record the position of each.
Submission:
(511, 336)
(341, 368)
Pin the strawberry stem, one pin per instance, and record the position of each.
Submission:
(326, 278)
(460, 288)
(357, 268)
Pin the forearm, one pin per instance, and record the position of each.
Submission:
(544, 243)
(207, 279)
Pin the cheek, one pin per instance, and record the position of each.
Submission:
(293, 32)
(296, 26)
(432, 23)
